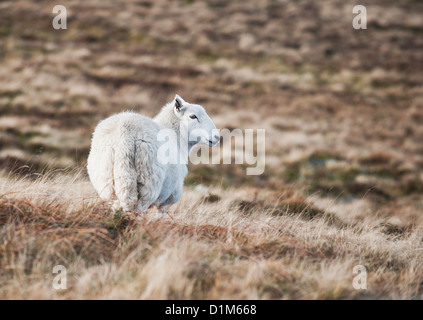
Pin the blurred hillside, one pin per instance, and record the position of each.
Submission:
(342, 108)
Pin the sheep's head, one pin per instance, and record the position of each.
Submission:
(195, 121)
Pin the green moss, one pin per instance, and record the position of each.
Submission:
(292, 172)
(207, 56)
(201, 174)
(5, 31)
(10, 93)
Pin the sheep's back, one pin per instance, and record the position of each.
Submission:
(128, 143)
(114, 128)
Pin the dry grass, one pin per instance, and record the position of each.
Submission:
(202, 250)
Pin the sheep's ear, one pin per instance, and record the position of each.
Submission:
(179, 102)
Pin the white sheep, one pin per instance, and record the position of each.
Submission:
(138, 162)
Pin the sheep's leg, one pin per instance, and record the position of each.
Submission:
(100, 171)
(150, 174)
(124, 175)
(142, 207)
(126, 192)
(116, 205)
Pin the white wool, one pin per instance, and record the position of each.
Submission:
(124, 164)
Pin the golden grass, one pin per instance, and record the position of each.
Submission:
(202, 250)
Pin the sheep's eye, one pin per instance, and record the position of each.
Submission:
(193, 116)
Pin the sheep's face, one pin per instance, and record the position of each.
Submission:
(196, 123)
